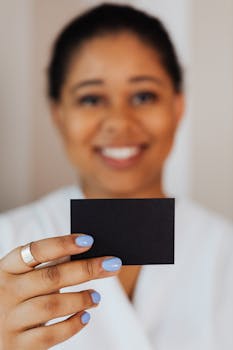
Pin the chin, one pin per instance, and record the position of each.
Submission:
(119, 188)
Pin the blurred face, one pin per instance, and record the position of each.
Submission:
(117, 114)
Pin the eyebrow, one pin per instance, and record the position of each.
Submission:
(136, 79)
(146, 78)
(87, 83)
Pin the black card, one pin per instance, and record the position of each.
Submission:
(139, 231)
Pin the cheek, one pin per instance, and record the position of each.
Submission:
(78, 130)
(161, 125)
(78, 135)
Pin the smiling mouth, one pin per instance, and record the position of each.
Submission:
(121, 157)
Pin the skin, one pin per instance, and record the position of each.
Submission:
(128, 110)
(119, 107)
(119, 117)
(34, 296)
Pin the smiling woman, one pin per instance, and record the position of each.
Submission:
(121, 118)
(115, 94)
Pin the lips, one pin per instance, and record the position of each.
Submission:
(121, 157)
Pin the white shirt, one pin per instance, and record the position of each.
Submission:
(185, 306)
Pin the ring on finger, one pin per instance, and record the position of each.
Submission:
(27, 256)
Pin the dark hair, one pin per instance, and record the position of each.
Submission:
(105, 19)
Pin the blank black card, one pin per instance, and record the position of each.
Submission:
(139, 231)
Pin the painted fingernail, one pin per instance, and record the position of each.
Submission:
(112, 264)
(84, 241)
(96, 297)
(85, 318)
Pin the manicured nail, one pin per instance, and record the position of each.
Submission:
(112, 264)
(84, 241)
(85, 318)
(96, 297)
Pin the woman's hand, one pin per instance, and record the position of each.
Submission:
(30, 297)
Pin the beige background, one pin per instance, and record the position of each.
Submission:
(31, 155)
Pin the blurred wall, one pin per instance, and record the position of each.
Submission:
(32, 157)
(16, 112)
(212, 104)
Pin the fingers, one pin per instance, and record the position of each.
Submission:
(50, 279)
(46, 250)
(40, 310)
(48, 336)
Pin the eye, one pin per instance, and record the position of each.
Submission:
(144, 97)
(89, 100)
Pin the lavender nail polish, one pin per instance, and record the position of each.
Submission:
(96, 297)
(112, 264)
(84, 241)
(85, 318)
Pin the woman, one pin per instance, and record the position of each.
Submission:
(115, 88)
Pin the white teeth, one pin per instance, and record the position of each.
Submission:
(120, 153)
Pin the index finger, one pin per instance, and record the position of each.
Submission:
(45, 250)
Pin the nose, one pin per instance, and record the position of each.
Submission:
(118, 120)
